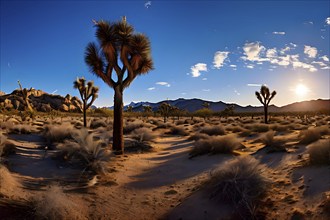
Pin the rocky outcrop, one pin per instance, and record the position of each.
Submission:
(40, 101)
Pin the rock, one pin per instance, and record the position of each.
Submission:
(64, 108)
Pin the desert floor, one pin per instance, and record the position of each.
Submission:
(163, 182)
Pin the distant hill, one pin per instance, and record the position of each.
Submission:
(192, 105)
(42, 101)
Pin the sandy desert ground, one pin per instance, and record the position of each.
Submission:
(216, 168)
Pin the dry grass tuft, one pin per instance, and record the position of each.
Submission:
(273, 143)
(144, 134)
(319, 152)
(175, 130)
(6, 147)
(131, 126)
(96, 123)
(55, 204)
(9, 185)
(58, 133)
(310, 135)
(85, 151)
(243, 183)
(215, 145)
(213, 130)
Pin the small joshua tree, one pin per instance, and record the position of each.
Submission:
(264, 96)
(86, 92)
(147, 110)
(164, 109)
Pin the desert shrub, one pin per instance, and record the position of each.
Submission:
(241, 182)
(131, 126)
(309, 136)
(144, 134)
(21, 129)
(58, 133)
(178, 131)
(213, 130)
(6, 147)
(245, 133)
(215, 145)
(96, 123)
(258, 127)
(273, 143)
(55, 204)
(279, 128)
(85, 151)
(319, 152)
(9, 185)
(198, 136)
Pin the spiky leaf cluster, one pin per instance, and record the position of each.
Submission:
(264, 96)
(86, 91)
(117, 41)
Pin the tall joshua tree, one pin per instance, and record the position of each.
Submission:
(86, 92)
(118, 42)
(264, 96)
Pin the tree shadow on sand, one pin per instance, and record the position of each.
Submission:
(173, 165)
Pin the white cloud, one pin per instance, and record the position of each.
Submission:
(252, 52)
(151, 88)
(196, 69)
(219, 58)
(327, 20)
(236, 92)
(325, 58)
(254, 85)
(271, 53)
(55, 91)
(309, 22)
(183, 93)
(285, 49)
(206, 90)
(204, 79)
(319, 63)
(310, 51)
(250, 66)
(233, 65)
(147, 4)
(279, 32)
(163, 84)
(294, 45)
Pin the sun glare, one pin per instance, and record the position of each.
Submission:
(301, 90)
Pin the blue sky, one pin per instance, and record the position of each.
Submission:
(214, 50)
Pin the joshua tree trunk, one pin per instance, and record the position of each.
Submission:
(118, 136)
(266, 114)
(84, 113)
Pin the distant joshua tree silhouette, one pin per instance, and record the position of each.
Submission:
(264, 96)
(165, 109)
(206, 105)
(86, 92)
(147, 110)
(117, 41)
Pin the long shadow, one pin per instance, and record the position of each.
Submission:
(175, 167)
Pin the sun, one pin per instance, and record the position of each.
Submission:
(301, 90)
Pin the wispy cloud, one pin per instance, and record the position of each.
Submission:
(206, 90)
(236, 92)
(9, 66)
(151, 88)
(327, 20)
(219, 58)
(254, 85)
(325, 58)
(250, 66)
(147, 4)
(233, 65)
(204, 79)
(279, 32)
(197, 68)
(54, 92)
(309, 22)
(163, 84)
(310, 51)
